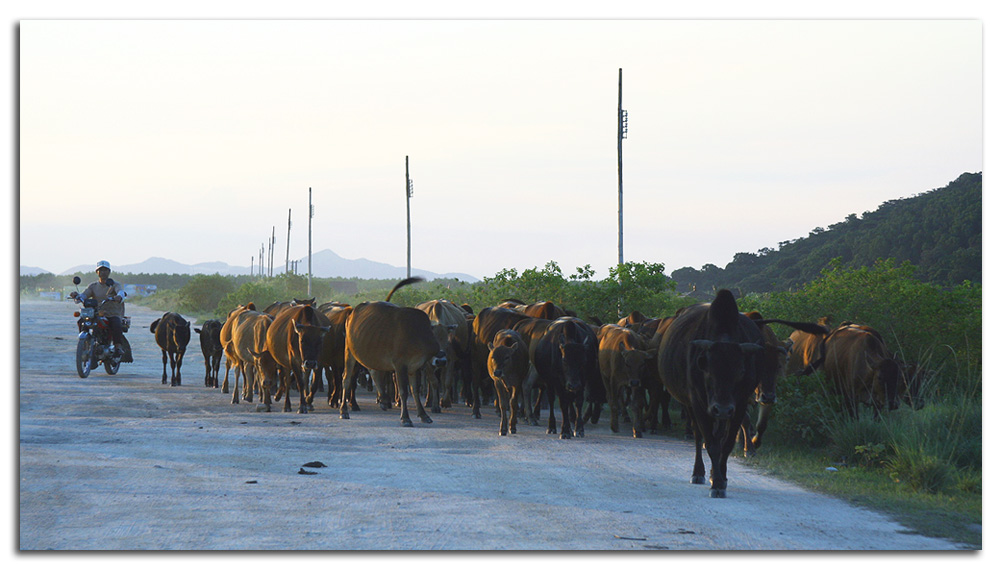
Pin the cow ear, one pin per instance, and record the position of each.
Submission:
(197, 330)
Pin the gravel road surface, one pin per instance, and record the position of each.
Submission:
(126, 463)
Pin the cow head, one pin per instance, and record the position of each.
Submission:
(721, 366)
(502, 354)
(182, 334)
(635, 362)
(310, 341)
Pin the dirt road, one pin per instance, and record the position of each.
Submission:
(126, 463)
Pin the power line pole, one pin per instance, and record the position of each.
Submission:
(288, 240)
(270, 255)
(409, 194)
(622, 134)
(309, 281)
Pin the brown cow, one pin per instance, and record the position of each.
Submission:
(454, 335)
(507, 364)
(294, 340)
(623, 357)
(386, 337)
(172, 336)
(487, 323)
(862, 369)
(226, 339)
(256, 364)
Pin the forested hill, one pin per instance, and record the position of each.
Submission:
(939, 231)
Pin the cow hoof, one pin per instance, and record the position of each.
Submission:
(637, 434)
(426, 419)
(503, 432)
(406, 422)
(303, 410)
(565, 436)
(513, 430)
(718, 493)
(697, 479)
(345, 416)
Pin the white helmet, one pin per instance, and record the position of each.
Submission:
(104, 264)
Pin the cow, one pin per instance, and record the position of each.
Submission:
(294, 340)
(507, 364)
(454, 335)
(226, 339)
(565, 359)
(544, 310)
(623, 358)
(711, 359)
(258, 367)
(172, 334)
(707, 361)
(385, 337)
(211, 349)
(861, 368)
(332, 353)
(487, 323)
(531, 330)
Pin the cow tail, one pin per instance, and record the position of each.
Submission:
(152, 326)
(403, 283)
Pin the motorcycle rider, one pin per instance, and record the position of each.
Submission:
(113, 309)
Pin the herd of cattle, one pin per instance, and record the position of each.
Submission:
(710, 358)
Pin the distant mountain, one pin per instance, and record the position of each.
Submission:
(325, 263)
(939, 231)
(27, 270)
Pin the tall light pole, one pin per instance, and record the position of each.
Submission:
(409, 194)
(622, 135)
(288, 239)
(309, 280)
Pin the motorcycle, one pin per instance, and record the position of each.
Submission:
(94, 343)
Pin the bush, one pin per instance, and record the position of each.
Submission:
(203, 293)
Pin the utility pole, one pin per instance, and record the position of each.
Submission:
(309, 281)
(288, 240)
(270, 255)
(622, 134)
(409, 194)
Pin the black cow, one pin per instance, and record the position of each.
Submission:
(172, 336)
(211, 347)
(565, 359)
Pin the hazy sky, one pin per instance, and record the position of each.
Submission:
(191, 139)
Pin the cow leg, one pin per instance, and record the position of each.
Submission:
(698, 474)
(636, 400)
(216, 361)
(763, 415)
(551, 398)
(403, 393)
(301, 381)
(414, 387)
(208, 371)
(566, 407)
(504, 405)
(236, 385)
(180, 360)
(579, 418)
(515, 396)
(164, 366)
(350, 380)
(613, 405)
(225, 380)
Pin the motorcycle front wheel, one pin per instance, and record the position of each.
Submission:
(84, 352)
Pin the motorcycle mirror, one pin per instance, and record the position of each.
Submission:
(111, 281)
(76, 280)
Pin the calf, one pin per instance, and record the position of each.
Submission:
(508, 366)
(623, 358)
(211, 348)
(172, 336)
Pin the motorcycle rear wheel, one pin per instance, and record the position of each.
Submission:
(111, 365)
(84, 352)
